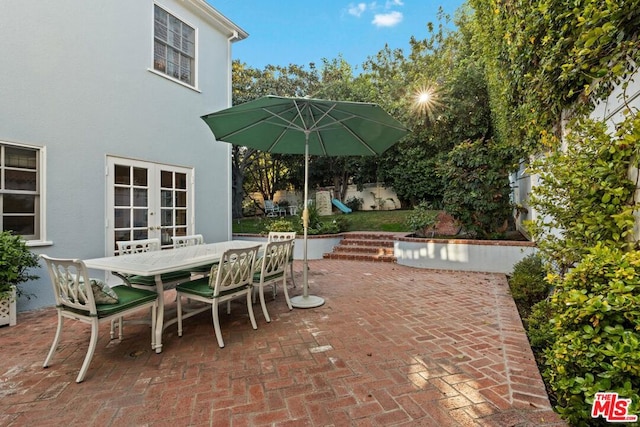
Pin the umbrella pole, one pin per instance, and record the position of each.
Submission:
(305, 300)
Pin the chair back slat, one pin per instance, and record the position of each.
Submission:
(138, 246)
(192, 240)
(71, 284)
(276, 257)
(275, 236)
(234, 271)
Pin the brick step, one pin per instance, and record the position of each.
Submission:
(360, 257)
(375, 250)
(366, 242)
(369, 236)
(364, 247)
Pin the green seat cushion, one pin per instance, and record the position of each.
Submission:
(202, 268)
(201, 288)
(198, 287)
(166, 278)
(127, 298)
(256, 276)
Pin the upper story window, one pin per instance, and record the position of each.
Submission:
(20, 190)
(173, 47)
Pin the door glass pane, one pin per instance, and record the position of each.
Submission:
(181, 181)
(165, 238)
(166, 179)
(122, 175)
(181, 199)
(120, 236)
(140, 197)
(167, 217)
(122, 218)
(122, 197)
(140, 177)
(140, 217)
(166, 198)
(181, 217)
(140, 234)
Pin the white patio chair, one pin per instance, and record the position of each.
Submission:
(146, 245)
(192, 240)
(76, 293)
(272, 210)
(273, 269)
(275, 236)
(169, 280)
(232, 278)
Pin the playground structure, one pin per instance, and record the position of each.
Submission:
(343, 208)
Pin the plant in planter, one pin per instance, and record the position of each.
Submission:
(15, 260)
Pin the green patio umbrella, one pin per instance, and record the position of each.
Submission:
(310, 127)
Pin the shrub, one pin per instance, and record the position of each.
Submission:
(281, 224)
(540, 328)
(596, 330)
(477, 191)
(422, 219)
(354, 203)
(15, 261)
(527, 283)
(316, 224)
(343, 223)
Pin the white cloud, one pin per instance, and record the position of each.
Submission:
(387, 19)
(392, 3)
(357, 9)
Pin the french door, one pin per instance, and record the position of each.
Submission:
(148, 200)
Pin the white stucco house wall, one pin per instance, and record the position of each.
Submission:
(100, 131)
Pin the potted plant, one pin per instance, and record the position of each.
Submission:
(15, 260)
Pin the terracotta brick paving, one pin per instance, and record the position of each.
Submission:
(392, 345)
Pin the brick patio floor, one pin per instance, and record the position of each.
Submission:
(392, 345)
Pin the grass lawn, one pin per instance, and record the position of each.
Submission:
(358, 221)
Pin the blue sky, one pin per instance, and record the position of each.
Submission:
(283, 32)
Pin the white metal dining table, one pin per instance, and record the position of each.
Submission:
(157, 263)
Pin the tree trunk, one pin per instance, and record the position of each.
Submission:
(237, 192)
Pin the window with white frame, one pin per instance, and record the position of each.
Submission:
(20, 190)
(174, 47)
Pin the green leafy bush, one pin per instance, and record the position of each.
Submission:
(281, 224)
(586, 192)
(596, 333)
(540, 328)
(342, 222)
(15, 261)
(354, 203)
(527, 283)
(423, 219)
(477, 191)
(316, 224)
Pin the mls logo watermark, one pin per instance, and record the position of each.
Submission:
(612, 408)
